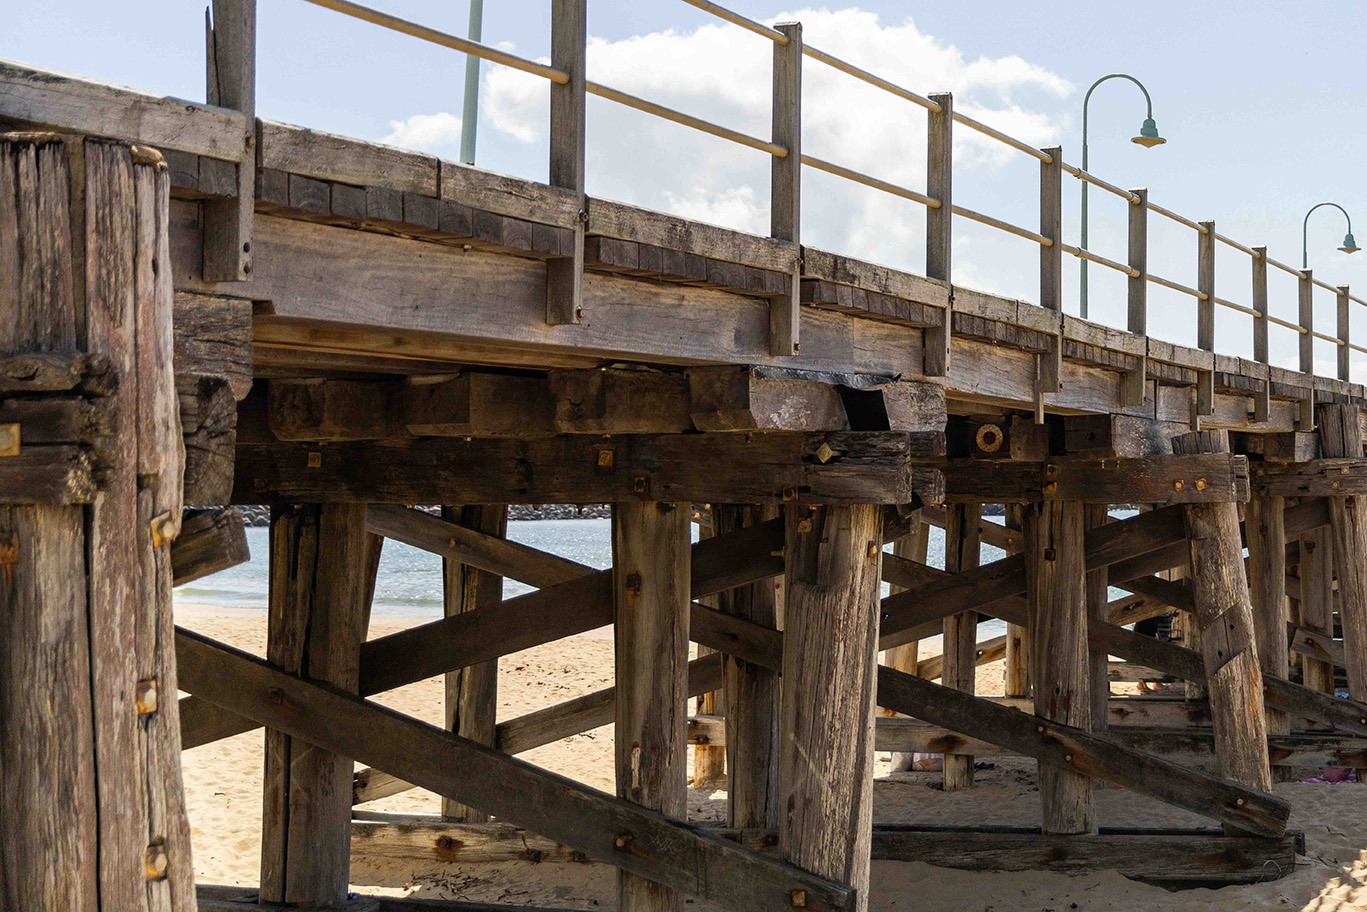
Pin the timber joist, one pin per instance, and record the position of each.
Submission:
(1204, 478)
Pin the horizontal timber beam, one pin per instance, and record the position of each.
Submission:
(1204, 478)
(838, 467)
(1316, 478)
(1162, 857)
(602, 826)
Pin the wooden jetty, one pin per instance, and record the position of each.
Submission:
(202, 309)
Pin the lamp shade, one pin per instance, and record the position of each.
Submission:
(1349, 245)
(1148, 134)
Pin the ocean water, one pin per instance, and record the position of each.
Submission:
(409, 581)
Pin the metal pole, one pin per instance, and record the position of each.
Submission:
(470, 115)
(1305, 224)
(1082, 283)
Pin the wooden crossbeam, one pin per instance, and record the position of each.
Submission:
(1293, 699)
(642, 842)
(1168, 857)
(837, 467)
(1083, 753)
(1315, 478)
(1202, 478)
(1186, 745)
(565, 609)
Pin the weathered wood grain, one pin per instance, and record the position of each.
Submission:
(49, 854)
(650, 558)
(963, 550)
(1060, 669)
(1084, 753)
(839, 467)
(831, 585)
(471, 703)
(668, 852)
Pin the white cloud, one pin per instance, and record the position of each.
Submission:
(438, 134)
(723, 74)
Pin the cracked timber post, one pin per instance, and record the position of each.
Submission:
(833, 566)
(651, 561)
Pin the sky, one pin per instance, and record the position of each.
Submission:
(1261, 104)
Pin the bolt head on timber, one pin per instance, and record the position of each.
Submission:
(1148, 135)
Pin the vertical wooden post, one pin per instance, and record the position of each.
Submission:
(1266, 533)
(232, 84)
(1340, 430)
(131, 524)
(1306, 311)
(1055, 570)
(914, 546)
(318, 585)
(709, 761)
(569, 37)
(1205, 283)
(651, 563)
(940, 224)
(1225, 616)
(1016, 674)
(472, 692)
(751, 693)
(1345, 362)
(1050, 378)
(1260, 323)
(785, 203)
(293, 557)
(1137, 286)
(1097, 587)
(830, 648)
(48, 854)
(960, 639)
(1317, 603)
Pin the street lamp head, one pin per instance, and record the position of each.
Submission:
(1349, 245)
(1148, 135)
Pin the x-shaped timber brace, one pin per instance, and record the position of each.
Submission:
(575, 598)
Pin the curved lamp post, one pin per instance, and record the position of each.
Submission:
(1349, 245)
(1148, 137)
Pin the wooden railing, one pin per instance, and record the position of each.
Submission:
(567, 142)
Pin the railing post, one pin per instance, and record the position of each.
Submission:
(1344, 350)
(230, 61)
(1205, 315)
(1205, 283)
(1049, 376)
(1138, 286)
(1307, 322)
(940, 224)
(1260, 323)
(569, 36)
(785, 210)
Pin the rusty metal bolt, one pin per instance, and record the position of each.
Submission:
(798, 899)
(605, 459)
(1200, 484)
(315, 460)
(1177, 485)
(872, 551)
(622, 841)
(640, 485)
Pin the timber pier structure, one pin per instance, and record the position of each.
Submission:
(203, 308)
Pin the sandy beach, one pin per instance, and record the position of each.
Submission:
(223, 781)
